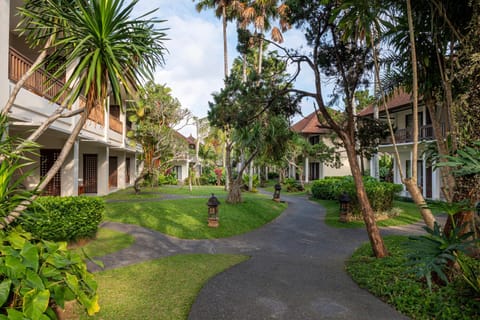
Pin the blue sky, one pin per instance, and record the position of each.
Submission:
(194, 64)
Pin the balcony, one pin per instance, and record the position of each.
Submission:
(406, 135)
(40, 83)
(44, 85)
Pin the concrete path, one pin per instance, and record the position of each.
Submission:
(296, 269)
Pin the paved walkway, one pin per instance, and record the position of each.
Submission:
(296, 269)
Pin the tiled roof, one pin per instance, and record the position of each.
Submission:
(399, 99)
(309, 125)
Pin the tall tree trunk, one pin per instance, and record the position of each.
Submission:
(225, 44)
(373, 232)
(234, 193)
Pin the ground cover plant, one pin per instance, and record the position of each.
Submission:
(392, 280)
(187, 217)
(159, 289)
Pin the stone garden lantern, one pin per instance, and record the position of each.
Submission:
(344, 206)
(213, 204)
(276, 193)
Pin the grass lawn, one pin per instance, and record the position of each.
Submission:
(409, 214)
(160, 192)
(187, 218)
(160, 289)
(388, 278)
(106, 241)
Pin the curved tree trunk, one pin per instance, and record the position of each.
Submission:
(373, 232)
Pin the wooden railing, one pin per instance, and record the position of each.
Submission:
(406, 135)
(41, 82)
(115, 124)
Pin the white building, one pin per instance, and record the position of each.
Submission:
(314, 169)
(101, 161)
(401, 114)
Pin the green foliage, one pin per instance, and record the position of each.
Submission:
(170, 179)
(255, 180)
(380, 194)
(388, 279)
(292, 185)
(470, 272)
(435, 253)
(37, 275)
(465, 162)
(64, 218)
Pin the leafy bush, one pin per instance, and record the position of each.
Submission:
(37, 275)
(170, 179)
(64, 218)
(388, 279)
(435, 253)
(255, 181)
(272, 175)
(380, 194)
(292, 185)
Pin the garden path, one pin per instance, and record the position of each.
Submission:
(296, 269)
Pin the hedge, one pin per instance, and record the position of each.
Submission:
(380, 194)
(64, 218)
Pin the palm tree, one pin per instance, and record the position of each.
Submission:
(107, 50)
(226, 10)
(259, 13)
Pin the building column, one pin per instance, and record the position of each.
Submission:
(102, 183)
(307, 170)
(76, 165)
(121, 171)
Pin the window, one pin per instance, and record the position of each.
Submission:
(314, 140)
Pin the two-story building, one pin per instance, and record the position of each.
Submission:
(101, 160)
(400, 109)
(314, 169)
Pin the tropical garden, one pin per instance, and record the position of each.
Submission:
(429, 48)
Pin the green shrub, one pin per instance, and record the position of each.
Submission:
(380, 194)
(170, 179)
(64, 218)
(37, 275)
(272, 175)
(292, 185)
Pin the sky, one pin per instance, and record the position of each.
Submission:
(194, 63)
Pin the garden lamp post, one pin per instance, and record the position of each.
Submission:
(276, 193)
(213, 204)
(344, 206)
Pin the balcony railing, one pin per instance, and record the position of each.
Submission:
(115, 124)
(406, 135)
(40, 83)
(44, 85)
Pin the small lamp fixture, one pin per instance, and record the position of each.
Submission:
(344, 206)
(213, 204)
(276, 193)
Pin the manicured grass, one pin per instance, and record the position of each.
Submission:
(160, 192)
(187, 218)
(389, 279)
(106, 241)
(409, 214)
(160, 289)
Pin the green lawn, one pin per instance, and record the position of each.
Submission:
(160, 289)
(390, 280)
(160, 192)
(106, 241)
(409, 214)
(187, 218)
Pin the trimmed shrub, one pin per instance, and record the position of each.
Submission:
(380, 194)
(64, 218)
(170, 179)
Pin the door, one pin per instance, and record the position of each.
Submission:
(112, 172)
(90, 173)
(47, 159)
(314, 168)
